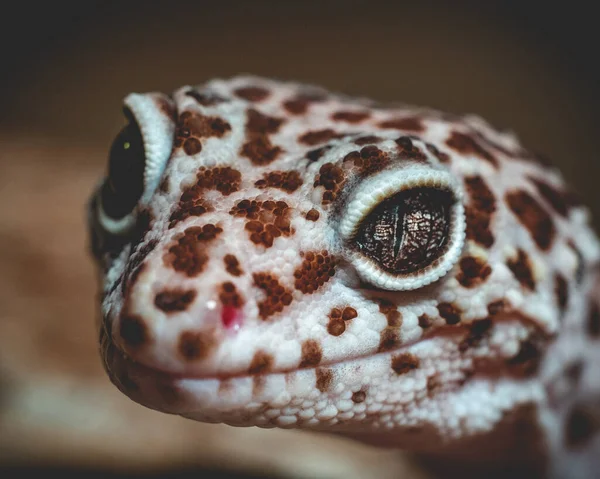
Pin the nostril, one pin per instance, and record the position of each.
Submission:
(232, 301)
(231, 317)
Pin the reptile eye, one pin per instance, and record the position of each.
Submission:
(137, 160)
(406, 229)
(124, 185)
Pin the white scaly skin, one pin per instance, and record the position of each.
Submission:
(451, 359)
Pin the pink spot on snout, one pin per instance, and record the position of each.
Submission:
(231, 317)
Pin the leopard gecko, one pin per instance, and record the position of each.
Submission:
(273, 254)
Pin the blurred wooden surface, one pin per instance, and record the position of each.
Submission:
(60, 108)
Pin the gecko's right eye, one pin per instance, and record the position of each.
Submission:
(404, 229)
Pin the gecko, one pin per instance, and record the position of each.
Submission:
(274, 254)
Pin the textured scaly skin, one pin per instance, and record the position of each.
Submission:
(236, 299)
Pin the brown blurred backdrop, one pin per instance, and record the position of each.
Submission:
(530, 66)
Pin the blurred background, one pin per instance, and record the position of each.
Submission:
(65, 67)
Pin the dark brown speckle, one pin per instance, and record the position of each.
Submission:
(174, 300)
(404, 363)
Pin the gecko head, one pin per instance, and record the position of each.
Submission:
(265, 267)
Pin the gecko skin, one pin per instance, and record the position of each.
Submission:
(275, 255)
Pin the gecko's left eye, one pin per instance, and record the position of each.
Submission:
(404, 230)
(124, 183)
(136, 162)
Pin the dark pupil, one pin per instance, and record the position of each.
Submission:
(408, 231)
(125, 183)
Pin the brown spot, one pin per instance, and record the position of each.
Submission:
(276, 296)
(582, 425)
(189, 253)
(390, 310)
(408, 150)
(527, 360)
(389, 339)
(258, 147)
(252, 93)
(324, 379)
(265, 220)
(288, 181)
(558, 199)
(594, 321)
(404, 363)
(408, 123)
(561, 290)
(425, 321)
(300, 103)
(521, 268)
(315, 137)
(316, 269)
(367, 139)
(311, 354)
(496, 307)
(337, 320)
(260, 151)
(336, 326)
(229, 295)
(205, 98)
(478, 330)
(225, 180)
(369, 160)
(350, 116)
(359, 396)
(467, 145)
(533, 217)
(296, 106)
(192, 127)
(332, 178)
(317, 153)
(174, 299)
(312, 215)
(232, 265)
(195, 345)
(473, 271)
(450, 312)
(262, 362)
(259, 123)
(133, 330)
(192, 146)
(193, 206)
(441, 156)
(479, 211)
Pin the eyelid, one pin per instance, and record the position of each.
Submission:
(158, 129)
(374, 190)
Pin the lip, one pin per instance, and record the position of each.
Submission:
(136, 369)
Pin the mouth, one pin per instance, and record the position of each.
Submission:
(257, 399)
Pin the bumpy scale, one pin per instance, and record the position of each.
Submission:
(302, 259)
